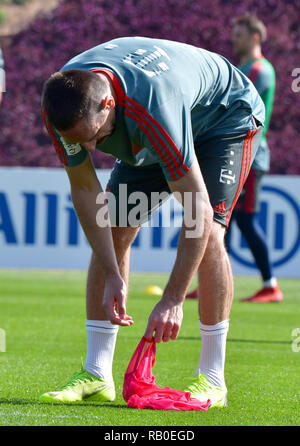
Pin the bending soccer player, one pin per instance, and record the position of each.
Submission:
(181, 120)
(248, 34)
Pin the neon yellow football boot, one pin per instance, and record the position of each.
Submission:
(201, 389)
(82, 386)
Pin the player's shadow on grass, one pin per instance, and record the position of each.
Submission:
(22, 402)
(249, 341)
(16, 401)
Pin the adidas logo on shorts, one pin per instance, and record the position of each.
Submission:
(220, 208)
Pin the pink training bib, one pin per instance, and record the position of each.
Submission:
(140, 390)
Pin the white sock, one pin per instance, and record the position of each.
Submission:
(101, 341)
(271, 283)
(213, 348)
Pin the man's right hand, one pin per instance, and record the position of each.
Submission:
(114, 301)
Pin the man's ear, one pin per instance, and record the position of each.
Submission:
(108, 101)
(256, 38)
(104, 102)
(111, 102)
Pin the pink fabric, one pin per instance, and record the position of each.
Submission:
(140, 390)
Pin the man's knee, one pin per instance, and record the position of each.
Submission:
(123, 237)
(215, 245)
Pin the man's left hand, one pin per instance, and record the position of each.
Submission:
(165, 320)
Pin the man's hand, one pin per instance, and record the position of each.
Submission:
(165, 320)
(114, 301)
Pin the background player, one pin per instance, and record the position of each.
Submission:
(248, 34)
(165, 110)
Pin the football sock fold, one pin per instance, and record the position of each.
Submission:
(213, 349)
(101, 342)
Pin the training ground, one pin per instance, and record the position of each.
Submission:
(43, 315)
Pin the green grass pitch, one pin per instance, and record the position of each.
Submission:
(43, 315)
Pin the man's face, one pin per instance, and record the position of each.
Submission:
(90, 134)
(242, 40)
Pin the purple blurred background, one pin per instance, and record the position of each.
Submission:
(76, 25)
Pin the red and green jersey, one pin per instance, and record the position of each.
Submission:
(261, 72)
(168, 94)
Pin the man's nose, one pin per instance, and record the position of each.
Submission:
(90, 146)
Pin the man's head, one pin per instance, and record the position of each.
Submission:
(248, 32)
(80, 106)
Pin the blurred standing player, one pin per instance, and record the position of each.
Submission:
(2, 76)
(248, 34)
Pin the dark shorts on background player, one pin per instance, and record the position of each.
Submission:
(225, 161)
(248, 201)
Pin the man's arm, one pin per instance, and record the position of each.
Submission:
(85, 188)
(166, 317)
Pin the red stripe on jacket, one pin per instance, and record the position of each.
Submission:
(123, 100)
(162, 130)
(136, 118)
(157, 137)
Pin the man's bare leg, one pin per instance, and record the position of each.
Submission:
(101, 333)
(215, 279)
(215, 300)
(123, 238)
